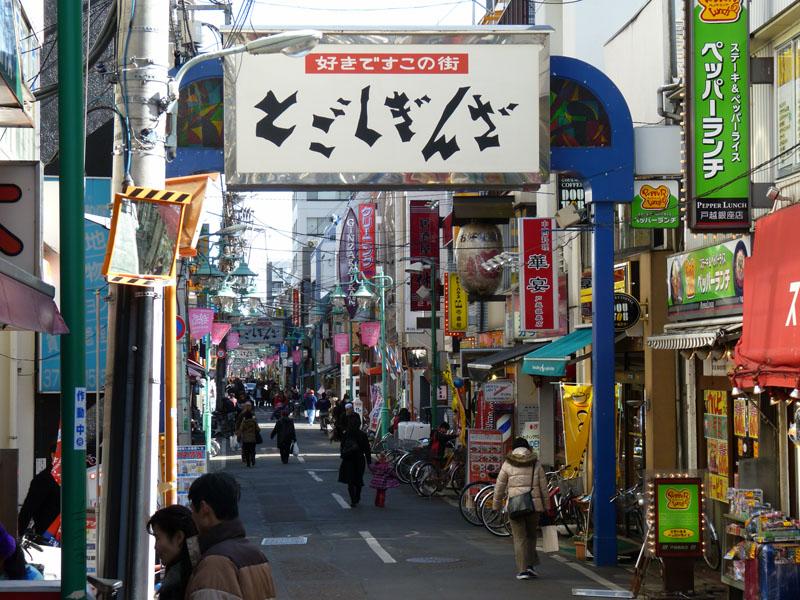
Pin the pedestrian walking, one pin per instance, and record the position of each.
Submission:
(230, 565)
(383, 478)
(250, 434)
(521, 475)
(177, 548)
(13, 565)
(310, 404)
(324, 408)
(356, 455)
(285, 434)
(43, 501)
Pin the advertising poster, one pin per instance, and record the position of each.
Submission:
(485, 454)
(715, 422)
(655, 205)
(576, 406)
(740, 417)
(721, 116)
(785, 108)
(678, 518)
(499, 390)
(708, 280)
(192, 463)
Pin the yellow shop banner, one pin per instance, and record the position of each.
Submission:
(576, 406)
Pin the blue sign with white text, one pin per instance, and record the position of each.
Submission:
(97, 200)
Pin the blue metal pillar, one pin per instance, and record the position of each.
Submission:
(603, 447)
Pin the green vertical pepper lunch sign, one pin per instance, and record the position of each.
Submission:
(721, 116)
(678, 516)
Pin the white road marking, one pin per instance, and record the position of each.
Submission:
(341, 501)
(586, 572)
(376, 547)
(315, 477)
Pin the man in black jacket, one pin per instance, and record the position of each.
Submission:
(284, 431)
(43, 502)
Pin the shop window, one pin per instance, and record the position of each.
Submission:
(787, 98)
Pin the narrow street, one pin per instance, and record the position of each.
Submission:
(320, 548)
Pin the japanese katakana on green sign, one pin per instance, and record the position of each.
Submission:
(655, 205)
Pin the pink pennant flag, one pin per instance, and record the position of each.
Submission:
(370, 333)
(233, 340)
(200, 320)
(218, 332)
(296, 357)
(341, 342)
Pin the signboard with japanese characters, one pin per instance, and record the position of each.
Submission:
(262, 332)
(655, 205)
(571, 192)
(708, 281)
(538, 274)
(348, 259)
(485, 453)
(456, 305)
(499, 390)
(721, 122)
(367, 257)
(383, 109)
(716, 433)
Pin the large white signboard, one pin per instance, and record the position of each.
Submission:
(382, 109)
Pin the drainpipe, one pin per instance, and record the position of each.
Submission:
(662, 112)
(13, 391)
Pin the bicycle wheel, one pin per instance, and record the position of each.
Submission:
(403, 467)
(458, 477)
(426, 481)
(496, 521)
(467, 504)
(711, 550)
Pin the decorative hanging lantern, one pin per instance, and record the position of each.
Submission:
(476, 244)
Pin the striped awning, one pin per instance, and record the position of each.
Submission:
(691, 338)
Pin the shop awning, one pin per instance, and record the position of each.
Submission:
(505, 355)
(26, 303)
(551, 360)
(769, 352)
(195, 369)
(691, 338)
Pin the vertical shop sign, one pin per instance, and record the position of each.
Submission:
(678, 516)
(721, 124)
(715, 427)
(423, 243)
(571, 192)
(539, 275)
(456, 306)
(576, 408)
(484, 453)
(367, 258)
(348, 258)
(296, 316)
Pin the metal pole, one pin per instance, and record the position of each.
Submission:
(73, 348)
(384, 370)
(207, 399)
(170, 394)
(97, 420)
(603, 448)
(434, 349)
(352, 368)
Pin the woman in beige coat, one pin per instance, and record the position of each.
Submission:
(522, 474)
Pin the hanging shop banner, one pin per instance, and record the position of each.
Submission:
(678, 516)
(721, 123)
(263, 331)
(377, 404)
(233, 340)
(218, 332)
(341, 342)
(456, 306)
(367, 257)
(708, 281)
(539, 274)
(397, 108)
(655, 205)
(370, 333)
(424, 227)
(576, 406)
(297, 317)
(571, 192)
(200, 321)
(715, 431)
(485, 453)
(348, 258)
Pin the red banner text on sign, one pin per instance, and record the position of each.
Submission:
(538, 275)
(389, 64)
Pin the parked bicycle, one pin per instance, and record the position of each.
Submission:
(429, 479)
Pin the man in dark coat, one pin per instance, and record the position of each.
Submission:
(284, 431)
(356, 455)
(43, 502)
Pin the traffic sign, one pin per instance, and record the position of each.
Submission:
(221, 354)
(180, 327)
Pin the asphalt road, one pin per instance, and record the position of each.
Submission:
(322, 549)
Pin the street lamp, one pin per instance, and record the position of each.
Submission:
(208, 275)
(243, 275)
(226, 297)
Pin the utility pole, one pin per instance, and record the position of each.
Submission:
(73, 347)
(434, 343)
(133, 370)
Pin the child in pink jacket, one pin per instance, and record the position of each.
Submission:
(383, 478)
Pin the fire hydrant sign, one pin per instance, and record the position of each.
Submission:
(538, 279)
(379, 109)
(721, 109)
(678, 516)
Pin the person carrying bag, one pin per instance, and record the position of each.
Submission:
(522, 480)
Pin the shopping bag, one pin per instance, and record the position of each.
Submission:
(234, 443)
(295, 449)
(550, 538)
